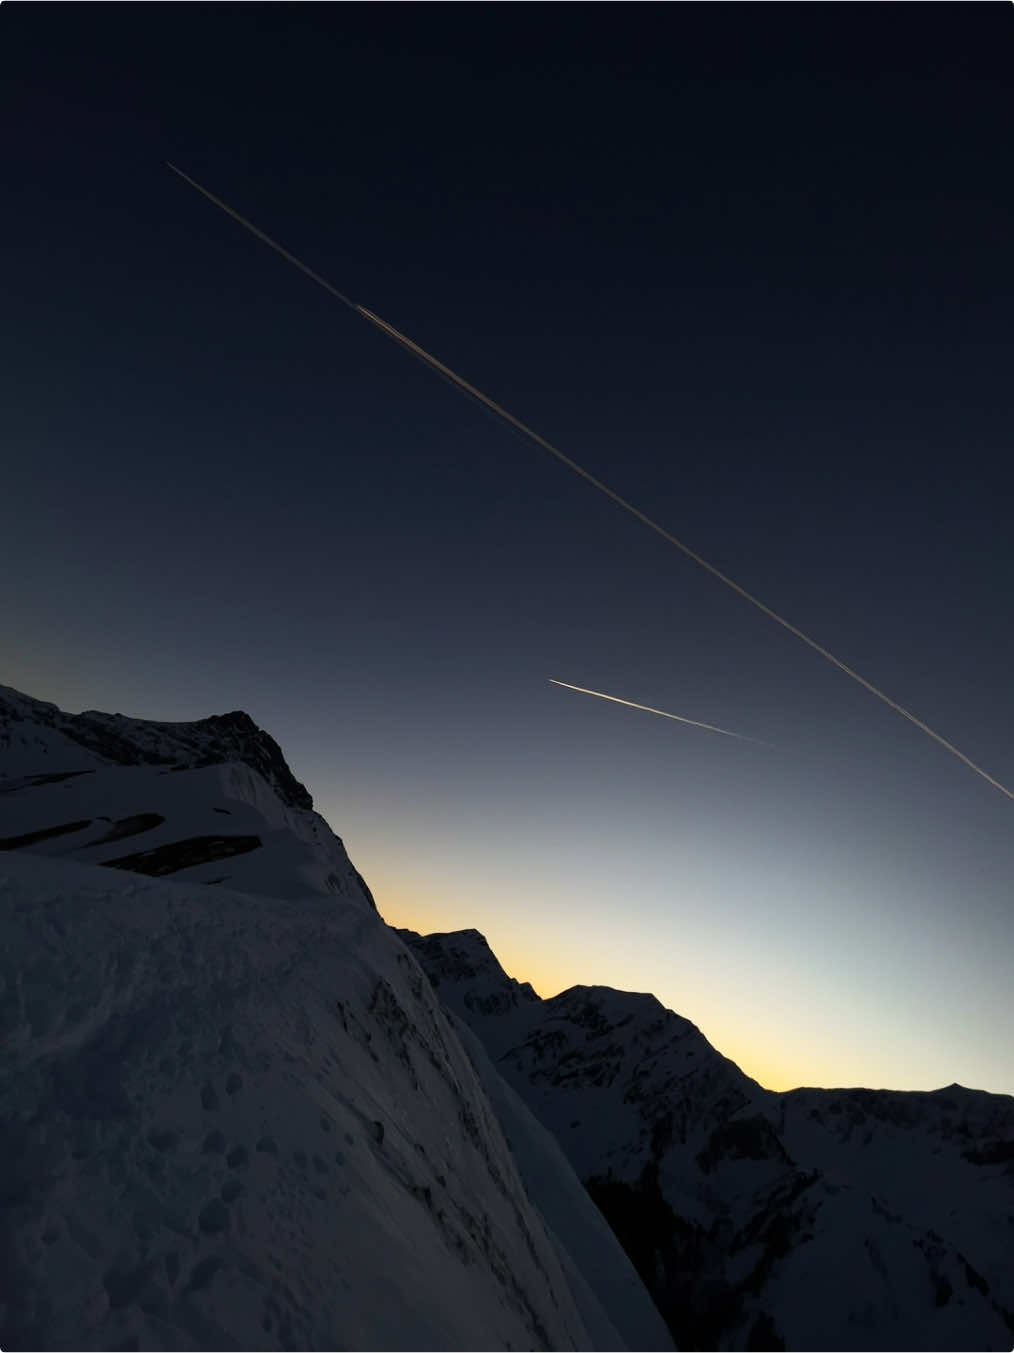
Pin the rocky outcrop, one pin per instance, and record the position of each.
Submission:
(476, 983)
(117, 740)
(71, 784)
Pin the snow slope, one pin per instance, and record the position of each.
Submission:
(155, 798)
(37, 737)
(241, 1119)
(586, 1246)
(230, 1121)
(815, 1219)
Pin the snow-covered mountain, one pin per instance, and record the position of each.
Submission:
(208, 802)
(237, 1116)
(817, 1219)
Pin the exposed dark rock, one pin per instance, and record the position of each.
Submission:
(764, 1335)
(993, 1153)
(129, 826)
(138, 742)
(942, 1290)
(975, 1279)
(742, 1139)
(176, 855)
(30, 781)
(672, 1256)
(44, 834)
(466, 958)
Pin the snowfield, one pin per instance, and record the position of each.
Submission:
(234, 1122)
(237, 1110)
(233, 1113)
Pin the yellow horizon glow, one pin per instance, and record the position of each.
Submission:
(746, 1004)
(549, 978)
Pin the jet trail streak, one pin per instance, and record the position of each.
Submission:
(694, 723)
(452, 376)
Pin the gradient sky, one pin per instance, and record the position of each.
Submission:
(751, 266)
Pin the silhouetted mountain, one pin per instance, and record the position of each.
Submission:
(236, 1116)
(816, 1219)
(33, 732)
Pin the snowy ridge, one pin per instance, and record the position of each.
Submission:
(942, 1159)
(815, 1219)
(230, 1121)
(210, 802)
(586, 1245)
(35, 735)
(477, 985)
(241, 1118)
(217, 824)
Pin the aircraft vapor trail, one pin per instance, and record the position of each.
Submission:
(434, 364)
(694, 723)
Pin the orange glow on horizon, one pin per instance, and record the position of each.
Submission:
(436, 915)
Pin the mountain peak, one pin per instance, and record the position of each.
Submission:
(738, 1204)
(119, 739)
(464, 962)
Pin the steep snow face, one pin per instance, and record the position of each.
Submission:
(614, 1075)
(219, 824)
(241, 1119)
(232, 1121)
(209, 802)
(586, 1246)
(942, 1159)
(817, 1219)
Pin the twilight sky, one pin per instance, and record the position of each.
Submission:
(752, 267)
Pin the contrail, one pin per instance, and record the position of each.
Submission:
(651, 710)
(528, 432)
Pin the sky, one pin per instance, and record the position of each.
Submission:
(751, 267)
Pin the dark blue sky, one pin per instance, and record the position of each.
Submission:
(752, 267)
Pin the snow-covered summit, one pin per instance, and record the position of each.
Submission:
(233, 1113)
(477, 984)
(816, 1219)
(35, 735)
(211, 801)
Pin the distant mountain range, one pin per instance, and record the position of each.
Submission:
(239, 1111)
(815, 1219)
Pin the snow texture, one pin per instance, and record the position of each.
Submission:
(237, 1116)
(151, 798)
